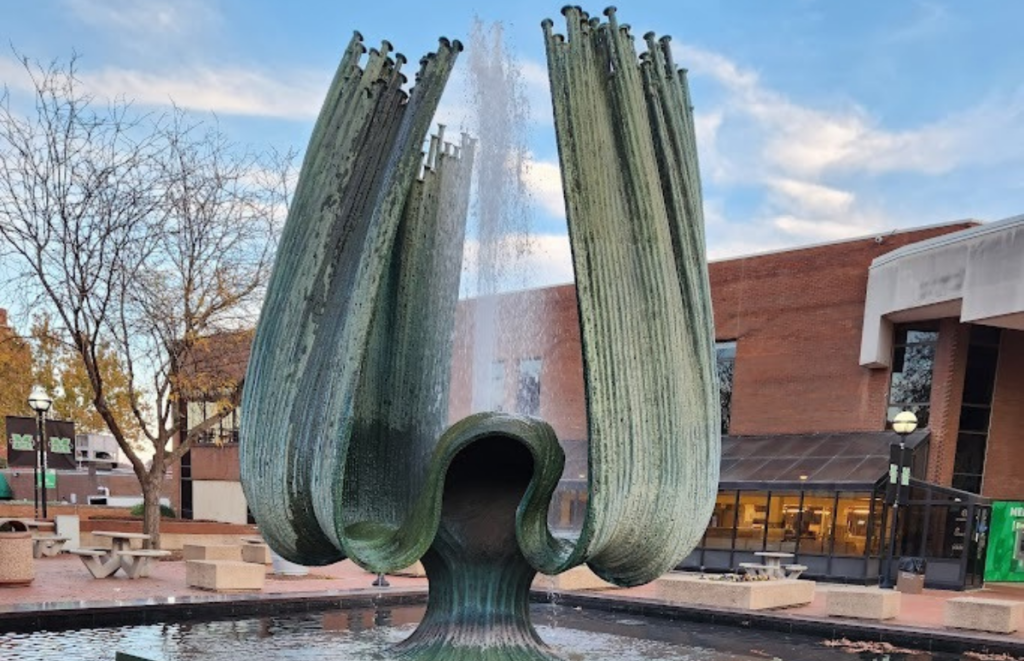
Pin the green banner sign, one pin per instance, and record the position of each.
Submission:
(1005, 560)
(51, 479)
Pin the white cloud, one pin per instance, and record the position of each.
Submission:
(810, 142)
(821, 230)
(538, 91)
(228, 91)
(456, 107)
(543, 179)
(803, 173)
(811, 197)
(231, 91)
(930, 21)
(146, 17)
(527, 262)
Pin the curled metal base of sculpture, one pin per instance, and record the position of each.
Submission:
(479, 604)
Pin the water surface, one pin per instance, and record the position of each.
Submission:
(365, 635)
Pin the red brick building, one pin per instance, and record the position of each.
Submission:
(818, 347)
(793, 323)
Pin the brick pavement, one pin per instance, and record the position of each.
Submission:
(65, 579)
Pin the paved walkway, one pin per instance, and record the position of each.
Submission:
(923, 610)
(64, 581)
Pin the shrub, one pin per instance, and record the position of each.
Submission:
(165, 511)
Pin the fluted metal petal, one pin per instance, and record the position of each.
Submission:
(358, 214)
(632, 191)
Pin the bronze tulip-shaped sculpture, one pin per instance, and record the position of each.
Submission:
(344, 448)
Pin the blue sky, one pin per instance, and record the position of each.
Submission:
(817, 120)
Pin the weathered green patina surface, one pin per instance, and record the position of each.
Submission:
(344, 449)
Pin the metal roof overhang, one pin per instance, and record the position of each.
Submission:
(846, 461)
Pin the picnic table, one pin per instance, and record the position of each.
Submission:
(104, 563)
(773, 562)
(47, 546)
(44, 544)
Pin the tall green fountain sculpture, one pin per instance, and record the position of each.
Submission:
(345, 450)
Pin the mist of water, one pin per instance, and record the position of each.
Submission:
(501, 217)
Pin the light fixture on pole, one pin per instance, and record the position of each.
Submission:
(903, 424)
(40, 402)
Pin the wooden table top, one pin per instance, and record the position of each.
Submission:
(120, 535)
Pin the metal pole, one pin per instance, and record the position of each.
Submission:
(42, 451)
(887, 581)
(35, 468)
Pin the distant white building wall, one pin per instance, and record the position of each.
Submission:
(976, 275)
(219, 500)
(97, 449)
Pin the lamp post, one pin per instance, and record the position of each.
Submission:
(903, 424)
(40, 403)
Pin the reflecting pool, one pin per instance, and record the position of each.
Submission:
(365, 635)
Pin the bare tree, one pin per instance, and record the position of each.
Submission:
(143, 234)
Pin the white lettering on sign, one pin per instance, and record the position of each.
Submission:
(60, 445)
(22, 442)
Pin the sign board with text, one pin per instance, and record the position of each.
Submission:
(1005, 562)
(22, 448)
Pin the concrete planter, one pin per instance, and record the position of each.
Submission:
(16, 564)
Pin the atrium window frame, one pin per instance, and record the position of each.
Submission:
(725, 371)
(913, 355)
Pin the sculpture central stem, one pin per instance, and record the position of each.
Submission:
(479, 605)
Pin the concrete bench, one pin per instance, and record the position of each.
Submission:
(212, 552)
(794, 571)
(224, 575)
(752, 595)
(256, 553)
(978, 614)
(135, 563)
(863, 603)
(48, 546)
(101, 563)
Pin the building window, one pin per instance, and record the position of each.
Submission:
(725, 358)
(528, 387)
(226, 429)
(976, 409)
(913, 357)
(497, 386)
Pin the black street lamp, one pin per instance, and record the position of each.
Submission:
(40, 403)
(903, 424)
